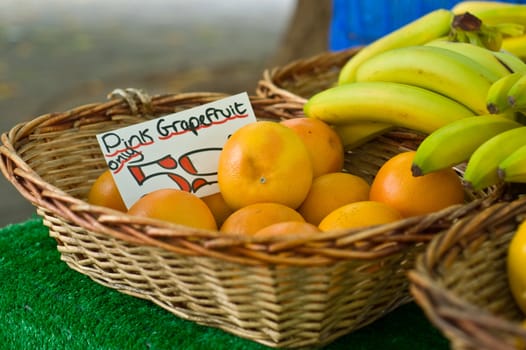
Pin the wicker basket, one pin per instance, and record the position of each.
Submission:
(286, 292)
(292, 84)
(461, 281)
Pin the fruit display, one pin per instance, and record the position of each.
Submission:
(274, 274)
(444, 76)
(313, 210)
(448, 76)
(267, 176)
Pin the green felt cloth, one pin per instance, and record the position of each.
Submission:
(46, 305)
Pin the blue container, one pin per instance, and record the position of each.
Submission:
(358, 22)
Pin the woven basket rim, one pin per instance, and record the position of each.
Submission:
(249, 250)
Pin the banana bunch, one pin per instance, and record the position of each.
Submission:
(458, 142)
(414, 77)
(419, 87)
(445, 76)
(493, 145)
(507, 93)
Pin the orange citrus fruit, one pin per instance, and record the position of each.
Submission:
(175, 206)
(394, 184)
(287, 227)
(359, 214)
(104, 192)
(218, 206)
(264, 162)
(253, 217)
(323, 143)
(331, 191)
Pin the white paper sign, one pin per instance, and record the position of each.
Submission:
(179, 150)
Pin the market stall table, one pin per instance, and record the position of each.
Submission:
(46, 305)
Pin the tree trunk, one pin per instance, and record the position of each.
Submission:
(307, 32)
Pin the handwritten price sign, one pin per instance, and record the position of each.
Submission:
(179, 150)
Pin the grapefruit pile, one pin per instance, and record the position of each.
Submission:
(287, 177)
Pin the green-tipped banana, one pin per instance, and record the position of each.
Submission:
(454, 143)
(434, 68)
(397, 104)
(479, 54)
(482, 167)
(497, 97)
(356, 134)
(431, 26)
(514, 63)
(513, 167)
(517, 94)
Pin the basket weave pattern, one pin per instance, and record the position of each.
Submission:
(292, 84)
(461, 280)
(291, 291)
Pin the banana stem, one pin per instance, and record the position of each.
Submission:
(467, 27)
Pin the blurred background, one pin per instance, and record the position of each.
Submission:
(59, 54)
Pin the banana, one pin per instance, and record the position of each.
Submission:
(497, 96)
(479, 54)
(431, 26)
(515, 45)
(454, 143)
(512, 61)
(397, 104)
(513, 167)
(482, 167)
(507, 58)
(517, 94)
(437, 69)
(493, 12)
(356, 134)
(474, 6)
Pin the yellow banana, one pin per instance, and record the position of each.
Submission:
(474, 6)
(454, 143)
(497, 14)
(513, 167)
(397, 104)
(356, 134)
(507, 58)
(434, 68)
(497, 96)
(517, 94)
(513, 62)
(433, 25)
(515, 45)
(479, 54)
(482, 167)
